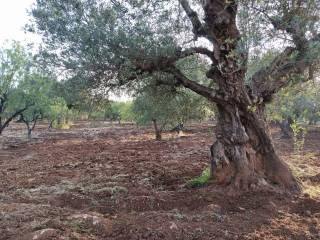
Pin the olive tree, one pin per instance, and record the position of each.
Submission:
(56, 111)
(167, 107)
(119, 44)
(13, 68)
(34, 91)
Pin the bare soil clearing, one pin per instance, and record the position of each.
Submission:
(97, 181)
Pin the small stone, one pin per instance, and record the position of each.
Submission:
(44, 234)
(173, 226)
(308, 213)
(242, 209)
(314, 221)
(215, 207)
(273, 204)
(306, 195)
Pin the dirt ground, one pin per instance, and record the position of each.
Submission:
(98, 181)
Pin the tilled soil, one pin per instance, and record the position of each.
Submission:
(116, 182)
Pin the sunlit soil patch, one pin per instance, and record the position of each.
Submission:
(151, 136)
(306, 167)
(69, 141)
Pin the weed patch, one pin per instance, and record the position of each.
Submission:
(201, 180)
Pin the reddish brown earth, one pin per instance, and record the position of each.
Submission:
(116, 182)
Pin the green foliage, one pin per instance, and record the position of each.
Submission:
(13, 69)
(126, 112)
(33, 91)
(13, 66)
(57, 112)
(201, 180)
(259, 62)
(301, 103)
(299, 133)
(100, 42)
(168, 107)
(26, 91)
(101, 37)
(119, 111)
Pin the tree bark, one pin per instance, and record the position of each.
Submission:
(29, 133)
(27, 122)
(243, 155)
(285, 127)
(157, 130)
(50, 125)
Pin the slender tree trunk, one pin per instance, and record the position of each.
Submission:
(285, 127)
(156, 130)
(50, 125)
(1, 128)
(243, 155)
(59, 120)
(29, 133)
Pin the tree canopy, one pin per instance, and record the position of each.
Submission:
(14, 65)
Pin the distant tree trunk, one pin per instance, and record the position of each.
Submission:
(50, 125)
(179, 128)
(285, 127)
(59, 120)
(2, 127)
(30, 129)
(29, 133)
(157, 130)
(27, 122)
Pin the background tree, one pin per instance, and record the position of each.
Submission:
(119, 44)
(56, 112)
(125, 111)
(33, 91)
(156, 108)
(13, 68)
(299, 104)
(166, 107)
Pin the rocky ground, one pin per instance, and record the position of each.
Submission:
(98, 181)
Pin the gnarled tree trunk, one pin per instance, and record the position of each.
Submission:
(243, 155)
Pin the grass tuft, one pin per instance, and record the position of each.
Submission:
(64, 126)
(201, 180)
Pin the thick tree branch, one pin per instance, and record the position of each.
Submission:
(291, 21)
(196, 50)
(162, 63)
(285, 67)
(204, 91)
(198, 28)
(13, 116)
